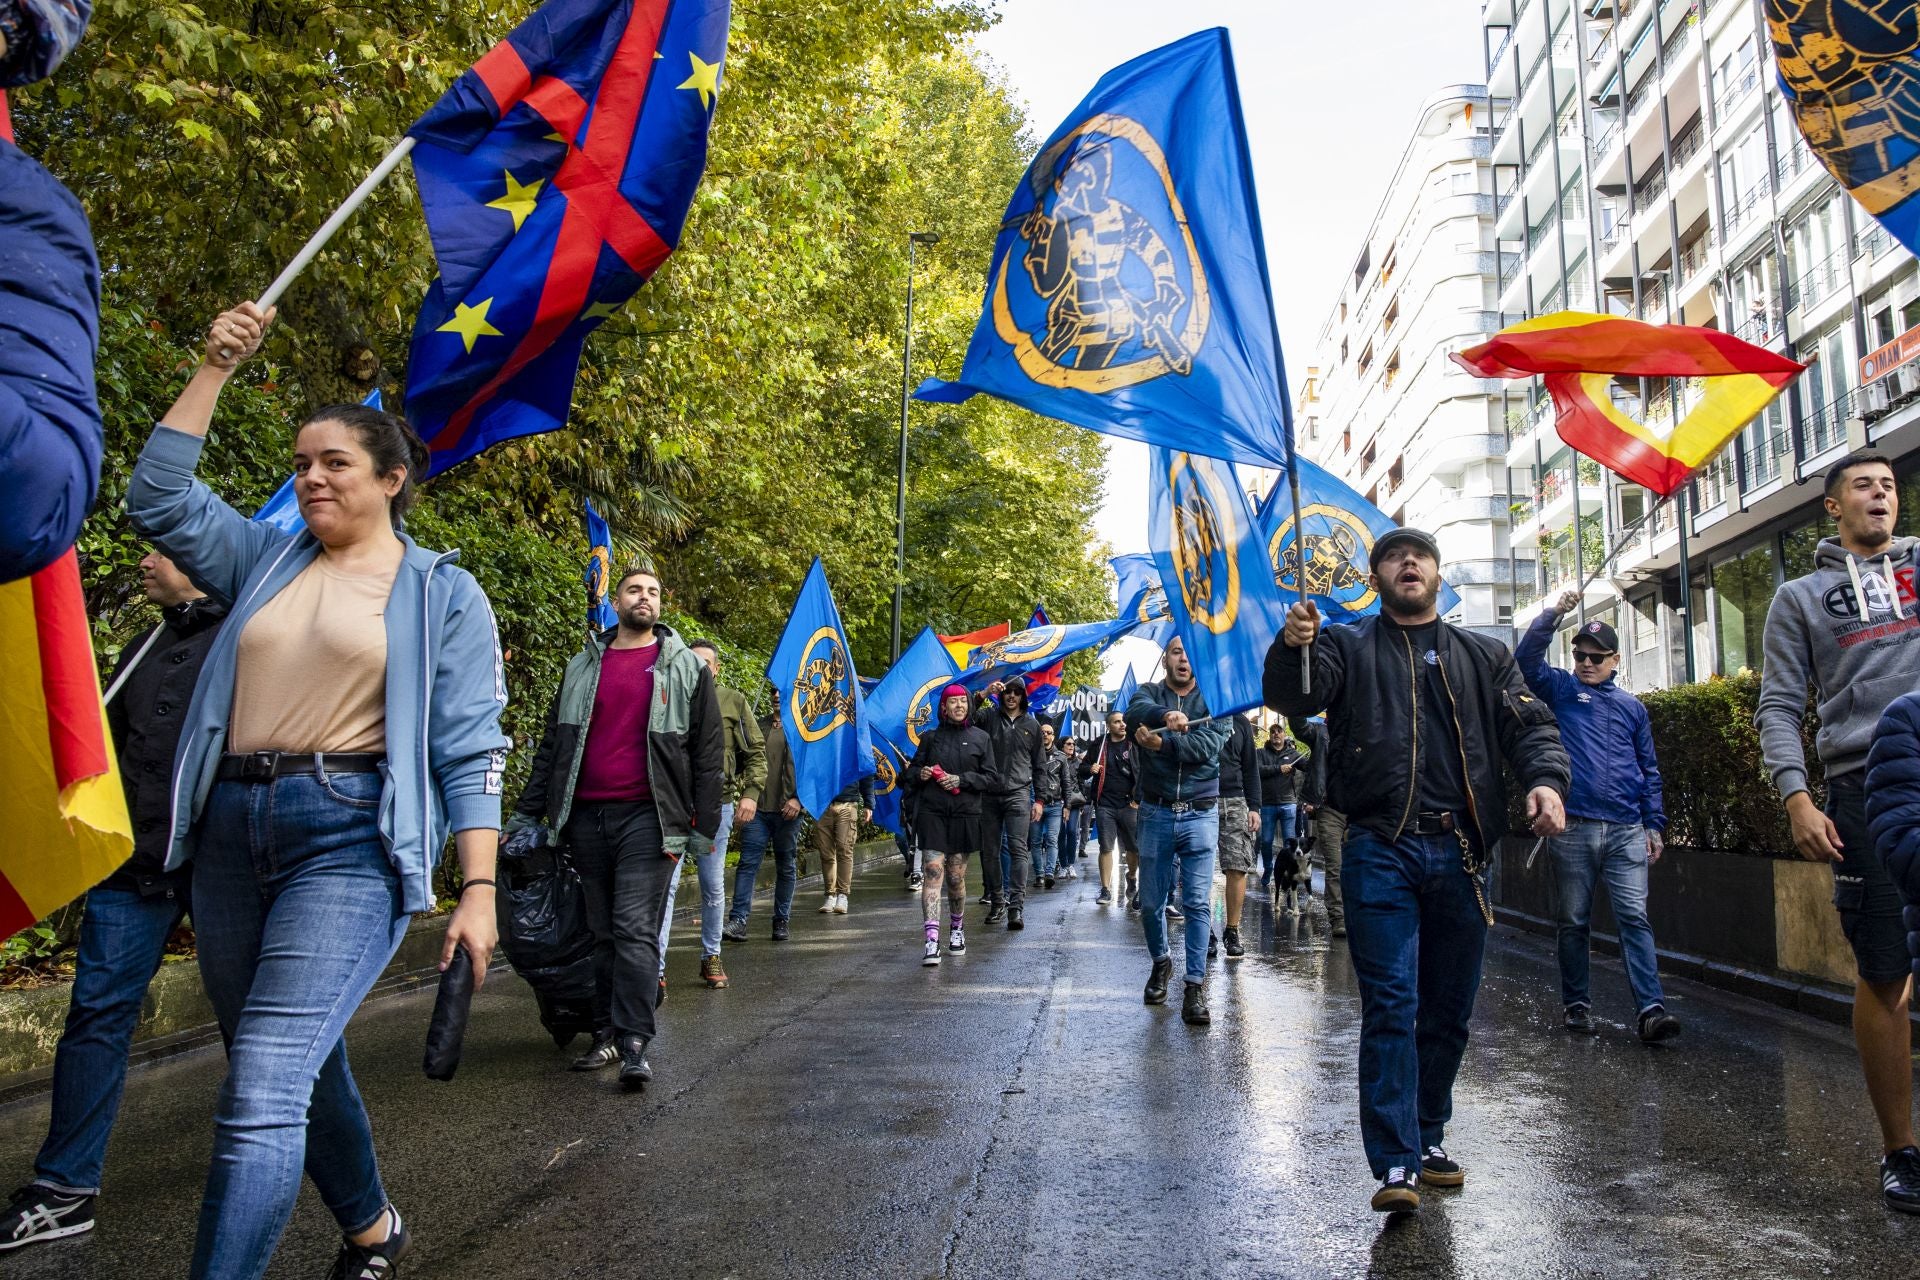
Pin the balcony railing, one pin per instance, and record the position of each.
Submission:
(1605, 141)
(1493, 63)
(1761, 458)
(1509, 269)
(1742, 207)
(1536, 234)
(1826, 425)
(1688, 144)
(1697, 256)
(1738, 90)
(1653, 299)
(1527, 79)
(1649, 192)
(1871, 241)
(1795, 162)
(1648, 90)
(1818, 281)
(1683, 28)
(1760, 328)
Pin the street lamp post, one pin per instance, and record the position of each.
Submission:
(914, 240)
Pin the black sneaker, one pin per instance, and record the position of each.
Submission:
(996, 912)
(1193, 1009)
(635, 1071)
(1157, 980)
(603, 1053)
(780, 930)
(1437, 1167)
(1133, 902)
(372, 1261)
(735, 931)
(1105, 899)
(1230, 938)
(1656, 1025)
(36, 1215)
(1213, 945)
(1016, 918)
(1899, 1182)
(1399, 1192)
(986, 899)
(1580, 1021)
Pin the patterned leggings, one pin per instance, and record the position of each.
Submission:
(935, 868)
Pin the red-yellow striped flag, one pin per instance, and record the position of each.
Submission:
(962, 647)
(1578, 354)
(62, 808)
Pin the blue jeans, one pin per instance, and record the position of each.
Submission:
(1277, 822)
(1045, 842)
(1417, 939)
(297, 911)
(122, 937)
(712, 870)
(784, 835)
(1184, 844)
(1617, 852)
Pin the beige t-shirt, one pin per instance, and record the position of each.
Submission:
(312, 673)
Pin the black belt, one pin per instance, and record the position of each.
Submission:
(265, 766)
(1432, 824)
(1186, 806)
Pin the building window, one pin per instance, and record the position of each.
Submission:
(1392, 370)
(1743, 589)
(1644, 623)
(1796, 545)
(1391, 318)
(1464, 184)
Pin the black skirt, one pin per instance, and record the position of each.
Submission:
(947, 832)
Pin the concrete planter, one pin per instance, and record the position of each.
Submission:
(1761, 926)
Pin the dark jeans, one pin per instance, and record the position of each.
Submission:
(1007, 814)
(1073, 834)
(1418, 939)
(122, 937)
(625, 870)
(296, 907)
(784, 835)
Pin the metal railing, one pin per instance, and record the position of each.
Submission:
(1819, 281)
(1761, 329)
(1739, 89)
(1696, 256)
(1871, 241)
(1761, 457)
(1651, 189)
(1653, 300)
(1509, 270)
(1743, 206)
(1670, 50)
(1826, 425)
(1639, 97)
(1688, 144)
(1493, 63)
(1795, 162)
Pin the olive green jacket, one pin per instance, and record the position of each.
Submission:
(746, 748)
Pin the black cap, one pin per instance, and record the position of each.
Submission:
(1392, 537)
(1598, 633)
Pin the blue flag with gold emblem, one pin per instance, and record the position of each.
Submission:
(1037, 647)
(597, 576)
(555, 175)
(1340, 530)
(821, 709)
(1128, 291)
(1850, 69)
(900, 708)
(1226, 606)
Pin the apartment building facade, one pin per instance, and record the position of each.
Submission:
(1382, 407)
(1645, 163)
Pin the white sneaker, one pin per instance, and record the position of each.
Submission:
(957, 941)
(840, 905)
(827, 905)
(932, 955)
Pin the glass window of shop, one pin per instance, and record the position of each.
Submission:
(1907, 524)
(1797, 544)
(1743, 587)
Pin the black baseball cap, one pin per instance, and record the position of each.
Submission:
(1598, 633)
(1393, 537)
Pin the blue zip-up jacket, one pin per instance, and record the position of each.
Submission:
(1187, 765)
(446, 687)
(1893, 805)
(1609, 739)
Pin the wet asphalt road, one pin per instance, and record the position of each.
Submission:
(1018, 1112)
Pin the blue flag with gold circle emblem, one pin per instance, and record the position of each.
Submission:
(1340, 530)
(597, 576)
(900, 708)
(555, 176)
(1037, 647)
(1207, 541)
(821, 709)
(1128, 291)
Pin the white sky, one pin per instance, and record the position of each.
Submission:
(1329, 91)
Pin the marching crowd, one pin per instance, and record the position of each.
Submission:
(317, 714)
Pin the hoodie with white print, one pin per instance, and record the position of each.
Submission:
(1850, 629)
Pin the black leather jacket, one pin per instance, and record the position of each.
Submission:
(1365, 678)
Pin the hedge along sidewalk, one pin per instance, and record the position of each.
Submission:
(176, 1016)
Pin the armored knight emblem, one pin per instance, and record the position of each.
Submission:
(1337, 544)
(1203, 545)
(1851, 68)
(1096, 293)
(822, 698)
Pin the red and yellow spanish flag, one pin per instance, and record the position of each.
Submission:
(962, 647)
(62, 808)
(1578, 354)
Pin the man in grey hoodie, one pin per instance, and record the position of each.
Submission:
(1851, 629)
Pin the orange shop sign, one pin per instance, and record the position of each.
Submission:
(1878, 364)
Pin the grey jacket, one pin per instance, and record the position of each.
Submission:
(1858, 659)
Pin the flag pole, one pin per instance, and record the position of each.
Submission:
(318, 240)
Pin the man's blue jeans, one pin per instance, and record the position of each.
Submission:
(712, 870)
(122, 938)
(784, 835)
(1045, 842)
(1616, 852)
(1185, 843)
(1277, 822)
(1417, 939)
(297, 912)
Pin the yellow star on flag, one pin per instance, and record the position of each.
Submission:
(599, 311)
(518, 200)
(471, 323)
(705, 79)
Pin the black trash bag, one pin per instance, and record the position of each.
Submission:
(543, 931)
(449, 1025)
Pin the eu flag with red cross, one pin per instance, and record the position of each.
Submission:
(555, 175)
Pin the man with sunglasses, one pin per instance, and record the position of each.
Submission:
(1614, 815)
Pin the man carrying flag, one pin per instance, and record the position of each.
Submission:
(1422, 714)
(1010, 811)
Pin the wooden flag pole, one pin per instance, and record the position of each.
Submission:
(318, 240)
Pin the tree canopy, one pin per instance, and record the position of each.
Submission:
(739, 416)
